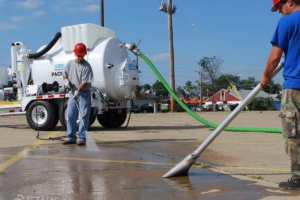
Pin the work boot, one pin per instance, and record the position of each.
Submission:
(80, 143)
(291, 184)
(68, 142)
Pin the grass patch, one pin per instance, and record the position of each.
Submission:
(201, 165)
(256, 177)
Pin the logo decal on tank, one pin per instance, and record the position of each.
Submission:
(132, 66)
(59, 67)
(60, 73)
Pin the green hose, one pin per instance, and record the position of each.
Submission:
(210, 124)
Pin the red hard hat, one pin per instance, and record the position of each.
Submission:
(274, 8)
(80, 49)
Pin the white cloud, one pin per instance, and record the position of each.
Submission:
(159, 57)
(18, 18)
(23, 17)
(29, 4)
(6, 26)
(92, 8)
(38, 13)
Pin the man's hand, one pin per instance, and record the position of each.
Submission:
(264, 81)
(68, 84)
(76, 95)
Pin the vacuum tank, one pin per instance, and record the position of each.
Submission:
(114, 74)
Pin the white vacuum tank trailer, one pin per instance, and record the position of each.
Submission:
(39, 83)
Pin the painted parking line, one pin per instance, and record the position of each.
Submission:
(255, 169)
(192, 141)
(152, 163)
(21, 154)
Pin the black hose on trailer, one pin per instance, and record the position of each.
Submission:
(46, 49)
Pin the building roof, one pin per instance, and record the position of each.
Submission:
(245, 93)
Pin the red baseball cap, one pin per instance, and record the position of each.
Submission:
(274, 8)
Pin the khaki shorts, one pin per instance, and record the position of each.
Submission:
(289, 113)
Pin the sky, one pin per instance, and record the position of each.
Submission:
(237, 31)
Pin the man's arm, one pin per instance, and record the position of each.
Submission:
(81, 87)
(271, 65)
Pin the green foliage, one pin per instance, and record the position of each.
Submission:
(260, 103)
(9, 84)
(190, 89)
(272, 88)
(160, 89)
(180, 91)
(223, 81)
(249, 83)
(146, 87)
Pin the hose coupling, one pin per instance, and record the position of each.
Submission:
(131, 47)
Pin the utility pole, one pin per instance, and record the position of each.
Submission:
(170, 9)
(102, 12)
(200, 86)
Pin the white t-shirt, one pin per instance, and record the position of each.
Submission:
(79, 73)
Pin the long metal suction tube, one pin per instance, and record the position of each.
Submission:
(46, 49)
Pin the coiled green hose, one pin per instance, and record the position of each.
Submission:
(210, 124)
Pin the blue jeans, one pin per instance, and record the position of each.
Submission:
(84, 104)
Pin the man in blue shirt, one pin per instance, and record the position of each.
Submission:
(286, 39)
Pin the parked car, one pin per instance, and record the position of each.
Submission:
(197, 108)
(146, 108)
(135, 108)
(165, 105)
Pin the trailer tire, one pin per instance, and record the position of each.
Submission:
(43, 110)
(112, 120)
(62, 116)
(92, 117)
(56, 117)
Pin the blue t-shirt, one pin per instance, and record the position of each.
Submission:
(287, 37)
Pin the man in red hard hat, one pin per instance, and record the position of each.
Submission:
(78, 75)
(286, 39)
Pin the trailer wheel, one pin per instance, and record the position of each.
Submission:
(112, 120)
(56, 117)
(92, 117)
(40, 115)
(63, 116)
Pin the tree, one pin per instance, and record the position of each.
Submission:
(9, 84)
(146, 87)
(180, 91)
(160, 89)
(190, 88)
(249, 84)
(261, 103)
(211, 68)
(224, 81)
(272, 88)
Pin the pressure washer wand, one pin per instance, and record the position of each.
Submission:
(182, 168)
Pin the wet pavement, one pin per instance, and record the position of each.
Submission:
(124, 167)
